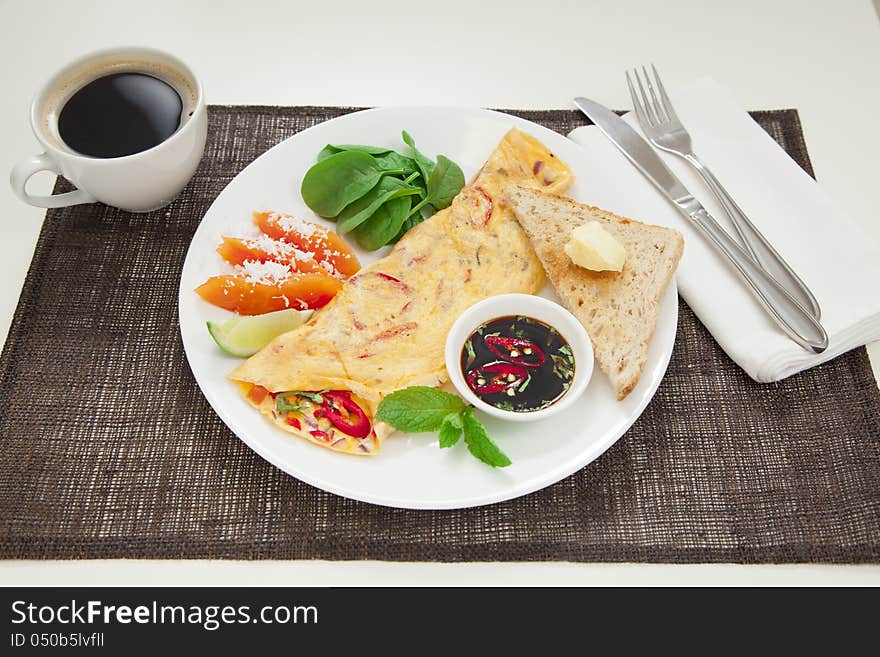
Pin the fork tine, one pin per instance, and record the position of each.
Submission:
(667, 104)
(652, 119)
(656, 105)
(637, 104)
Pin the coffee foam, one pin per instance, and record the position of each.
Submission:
(69, 82)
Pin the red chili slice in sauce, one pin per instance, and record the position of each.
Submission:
(514, 350)
(495, 377)
(345, 414)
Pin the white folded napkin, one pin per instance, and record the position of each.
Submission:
(829, 251)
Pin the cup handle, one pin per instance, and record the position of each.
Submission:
(24, 169)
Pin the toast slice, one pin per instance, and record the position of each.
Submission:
(618, 309)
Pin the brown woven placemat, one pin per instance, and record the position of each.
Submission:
(109, 449)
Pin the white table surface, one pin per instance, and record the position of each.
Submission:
(821, 57)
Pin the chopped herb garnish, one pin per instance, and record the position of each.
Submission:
(311, 396)
(283, 404)
(290, 401)
(562, 367)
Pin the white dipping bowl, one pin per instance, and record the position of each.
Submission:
(528, 306)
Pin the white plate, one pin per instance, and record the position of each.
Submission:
(411, 471)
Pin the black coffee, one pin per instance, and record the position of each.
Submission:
(120, 114)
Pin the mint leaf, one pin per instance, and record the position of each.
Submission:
(418, 408)
(479, 444)
(450, 430)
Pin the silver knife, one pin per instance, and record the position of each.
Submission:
(797, 322)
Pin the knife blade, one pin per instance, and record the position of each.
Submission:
(795, 320)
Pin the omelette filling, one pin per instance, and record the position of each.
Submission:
(332, 418)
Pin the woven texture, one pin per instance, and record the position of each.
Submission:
(109, 450)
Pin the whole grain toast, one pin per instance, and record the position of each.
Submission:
(618, 309)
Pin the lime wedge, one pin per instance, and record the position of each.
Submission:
(244, 336)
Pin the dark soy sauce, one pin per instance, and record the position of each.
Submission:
(517, 363)
(120, 114)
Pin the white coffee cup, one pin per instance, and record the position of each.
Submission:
(140, 182)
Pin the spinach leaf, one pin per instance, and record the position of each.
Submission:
(363, 188)
(363, 208)
(424, 163)
(327, 151)
(338, 180)
(385, 223)
(332, 149)
(386, 158)
(445, 182)
(394, 160)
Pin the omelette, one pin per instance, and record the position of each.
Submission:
(386, 328)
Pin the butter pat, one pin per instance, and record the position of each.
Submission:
(593, 247)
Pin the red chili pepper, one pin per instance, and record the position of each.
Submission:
(395, 331)
(496, 377)
(488, 200)
(292, 421)
(323, 435)
(392, 279)
(344, 413)
(502, 347)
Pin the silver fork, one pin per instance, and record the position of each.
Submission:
(662, 127)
